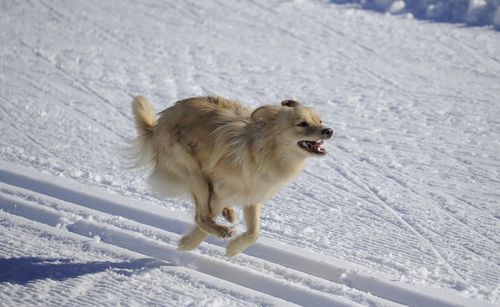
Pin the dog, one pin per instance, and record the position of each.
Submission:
(223, 154)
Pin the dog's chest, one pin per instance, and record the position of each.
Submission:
(249, 190)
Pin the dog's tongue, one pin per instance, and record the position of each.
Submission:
(317, 144)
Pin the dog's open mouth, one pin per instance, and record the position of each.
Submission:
(313, 147)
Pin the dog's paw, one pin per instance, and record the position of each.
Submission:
(231, 251)
(185, 246)
(191, 240)
(235, 247)
(230, 215)
(229, 232)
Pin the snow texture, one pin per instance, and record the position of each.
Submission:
(404, 209)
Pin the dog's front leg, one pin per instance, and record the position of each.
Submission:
(251, 214)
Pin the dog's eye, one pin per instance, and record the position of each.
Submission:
(303, 124)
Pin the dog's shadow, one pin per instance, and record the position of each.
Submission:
(30, 269)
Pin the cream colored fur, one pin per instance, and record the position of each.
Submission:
(223, 154)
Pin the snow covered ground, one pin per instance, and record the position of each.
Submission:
(404, 210)
(470, 12)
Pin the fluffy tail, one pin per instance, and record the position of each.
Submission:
(145, 121)
(144, 115)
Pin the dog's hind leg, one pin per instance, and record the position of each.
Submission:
(207, 208)
(197, 235)
(251, 213)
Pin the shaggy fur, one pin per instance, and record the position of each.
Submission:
(223, 154)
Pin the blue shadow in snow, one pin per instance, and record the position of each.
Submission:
(443, 11)
(30, 269)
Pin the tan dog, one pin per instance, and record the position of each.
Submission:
(223, 154)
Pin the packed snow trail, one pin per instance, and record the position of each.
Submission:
(293, 275)
(410, 186)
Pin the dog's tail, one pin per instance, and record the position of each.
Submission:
(144, 115)
(145, 121)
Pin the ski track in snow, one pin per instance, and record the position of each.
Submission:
(409, 189)
(292, 275)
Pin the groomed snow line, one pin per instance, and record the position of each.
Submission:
(84, 211)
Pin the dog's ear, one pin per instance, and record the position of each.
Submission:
(265, 113)
(290, 103)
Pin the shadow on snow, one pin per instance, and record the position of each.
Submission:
(29, 269)
(463, 12)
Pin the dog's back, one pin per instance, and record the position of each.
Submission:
(190, 136)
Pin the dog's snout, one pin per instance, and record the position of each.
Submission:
(327, 133)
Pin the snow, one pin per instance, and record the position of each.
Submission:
(404, 209)
(470, 12)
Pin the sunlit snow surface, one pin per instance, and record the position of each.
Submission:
(408, 193)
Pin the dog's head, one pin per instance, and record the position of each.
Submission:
(295, 126)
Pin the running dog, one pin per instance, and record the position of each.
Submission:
(223, 154)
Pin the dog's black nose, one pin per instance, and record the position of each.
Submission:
(327, 133)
